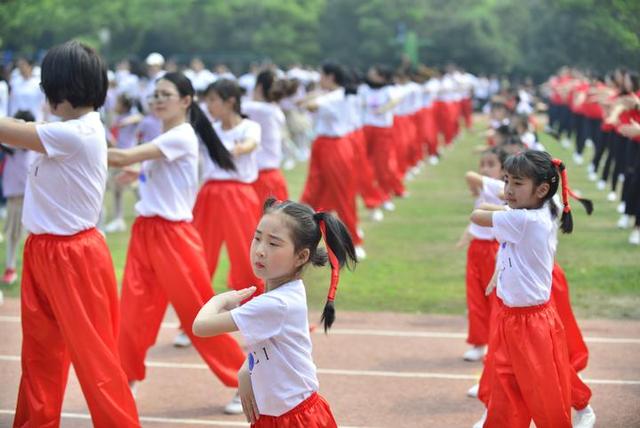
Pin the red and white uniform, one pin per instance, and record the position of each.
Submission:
(331, 184)
(530, 362)
(166, 262)
(275, 328)
(69, 295)
(227, 208)
(481, 263)
(270, 181)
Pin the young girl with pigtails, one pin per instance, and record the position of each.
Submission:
(278, 382)
(531, 375)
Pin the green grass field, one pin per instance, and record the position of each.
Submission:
(414, 266)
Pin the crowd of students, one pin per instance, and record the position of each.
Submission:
(202, 152)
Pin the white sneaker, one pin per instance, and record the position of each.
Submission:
(473, 391)
(234, 407)
(476, 353)
(612, 196)
(361, 254)
(585, 418)
(588, 143)
(409, 176)
(621, 207)
(289, 164)
(376, 214)
(482, 420)
(360, 232)
(389, 206)
(591, 168)
(592, 176)
(566, 143)
(117, 225)
(181, 340)
(634, 238)
(578, 159)
(621, 178)
(623, 222)
(434, 160)
(601, 184)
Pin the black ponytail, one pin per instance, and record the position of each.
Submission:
(217, 151)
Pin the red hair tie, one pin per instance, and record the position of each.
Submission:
(565, 184)
(333, 260)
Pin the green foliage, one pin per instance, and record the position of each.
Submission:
(502, 36)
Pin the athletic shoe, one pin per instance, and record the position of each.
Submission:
(476, 353)
(360, 253)
(588, 143)
(376, 214)
(593, 176)
(181, 340)
(566, 143)
(591, 168)
(10, 276)
(117, 225)
(634, 238)
(289, 164)
(623, 222)
(578, 159)
(389, 206)
(612, 196)
(234, 407)
(482, 420)
(621, 178)
(473, 391)
(621, 207)
(585, 418)
(434, 160)
(409, 176)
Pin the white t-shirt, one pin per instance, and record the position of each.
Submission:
(66, 184)
(374, 99)
(332, 118)
(246, 165)
(275, 328)
(27, 95)
(4, 99)
(168, 186)
(525, 258)
(14, 174)
(272, 121)
(491, 188)
(430, 92)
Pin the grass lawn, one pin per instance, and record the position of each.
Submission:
(414, 266)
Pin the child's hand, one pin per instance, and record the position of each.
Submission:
(245, 390)
(492, 285)
(127, 176)
(232, 299)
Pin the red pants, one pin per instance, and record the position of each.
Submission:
(69, 303)
(430, 130)
(271, 182)
(481, 263)
(331, 182)
(165, 263)
(416, 152)
(401, 144)
(531, 370)
(578, 352)
(382, 157)
(371, 194)
(228, 212)
(314, 412)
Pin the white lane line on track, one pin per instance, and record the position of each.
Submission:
(154, 419)
(362, 373)
(397, 333)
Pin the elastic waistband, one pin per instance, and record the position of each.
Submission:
(157, 219)
(484, 241)
(524, 309)
(51, 236)
(235, 182)
(312, 400)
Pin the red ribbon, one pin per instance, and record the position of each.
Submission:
(565, 184)
(333, 261)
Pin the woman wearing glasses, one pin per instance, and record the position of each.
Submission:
(165, 260)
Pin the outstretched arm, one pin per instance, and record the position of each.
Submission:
(21, 134)
(126, 157)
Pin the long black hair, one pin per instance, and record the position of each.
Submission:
(217, 151)
(306, 232)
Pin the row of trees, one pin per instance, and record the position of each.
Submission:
(523, 37)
